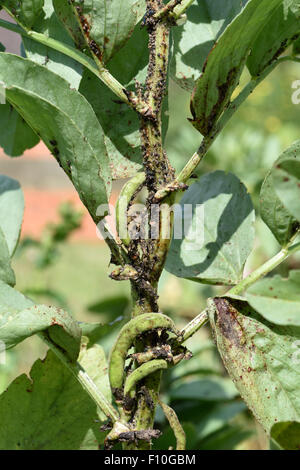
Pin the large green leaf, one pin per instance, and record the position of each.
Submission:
(96, 331)
(6, 273)
(281, 223)
(16, 136)
(119, 122)
(109, 23)
(11, 211)
(226, 61)
(286, 435)
(226, 226)
(210, 389)
(282, 29)
(259, 358)
(296, 47)
(20, 319)
(60, 327)
(66, 123)
(227, 438)
(286, 179)
(218, 417)
(43, 55)
(26, 12)
(192, 42)
(50, 410)
(277, 299)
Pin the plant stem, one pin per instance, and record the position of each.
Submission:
(100, 71)
(201, 319)
(85, 381)
(264, 269)
(194, 325)
(158, 172)
(173, 9)
(207, 141)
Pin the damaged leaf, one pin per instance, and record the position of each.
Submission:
(16, 136)
(282, 30)
(56, 61)
(65, 122)
(261, 360)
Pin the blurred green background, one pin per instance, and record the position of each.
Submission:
(75, 274)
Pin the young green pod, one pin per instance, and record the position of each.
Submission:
(141, 372)
(136, 326)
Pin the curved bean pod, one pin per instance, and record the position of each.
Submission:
(127, 193)
(136, 326)
(141, 372)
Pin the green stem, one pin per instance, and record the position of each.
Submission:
(264, 269)
(85, 381)
(100, 71)
(194, 325)
(207, 141)
(180, 9)
(173, 9)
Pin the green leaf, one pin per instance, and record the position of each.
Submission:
(66, 123)
(282, 29)
(25, 12)
(50, 410)
(16, 136)
(274, 214)
(2, 47)
(277, 299)
(43, 55)
(296, 47)
(286, 435)
(225, 439)
(60, 327)
(11, 211)
(109, 23)
(65, 13)
(226, 227)
(210, 389)
(12, 301)
(226, 61)
(218, 417)
(6, 273)
(95, 331)
(192, 42)
(122, 138)
(286, 179)
(20, 319)
(260, 358)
